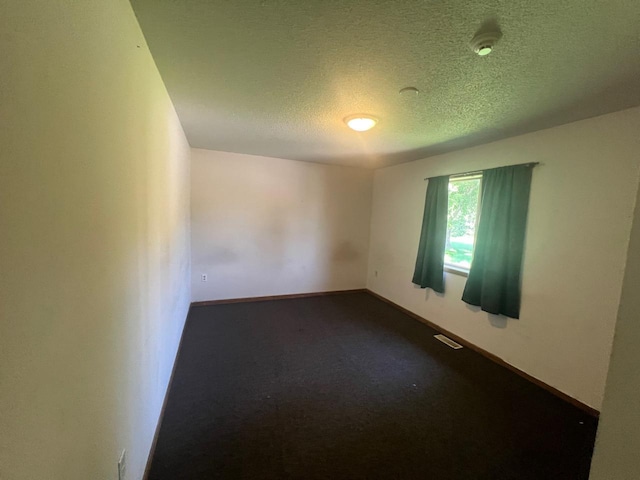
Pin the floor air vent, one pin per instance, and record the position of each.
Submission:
(448, 341)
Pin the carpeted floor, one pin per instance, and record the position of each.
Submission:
(347, 387)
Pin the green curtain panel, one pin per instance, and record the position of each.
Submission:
(429, 272)
(494, 278)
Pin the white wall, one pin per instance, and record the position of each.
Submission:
(581, 205)
(267, 226)
(94, 251)
(616, 454)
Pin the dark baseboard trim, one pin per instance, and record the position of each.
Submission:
(275, 297)
(573, 401)
(154, 442)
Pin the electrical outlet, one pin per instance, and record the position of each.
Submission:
(203, 277)
(375, 274)
(122, 465)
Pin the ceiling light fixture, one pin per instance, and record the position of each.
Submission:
(484, 43)
(360, 122)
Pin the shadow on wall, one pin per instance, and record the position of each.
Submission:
(339, 254)
(497, 321)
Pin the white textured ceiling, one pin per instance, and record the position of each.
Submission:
(277, 77)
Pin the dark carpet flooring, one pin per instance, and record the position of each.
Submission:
(348, 387)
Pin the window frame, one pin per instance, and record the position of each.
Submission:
(457, 269)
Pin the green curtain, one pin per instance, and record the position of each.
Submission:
(429, 271)
(494, 278)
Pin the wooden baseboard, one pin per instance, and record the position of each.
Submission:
(573, 401)
(274, 297)
(154, 442)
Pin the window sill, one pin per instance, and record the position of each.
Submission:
(456, 270)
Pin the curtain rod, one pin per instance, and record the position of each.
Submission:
(477, 172)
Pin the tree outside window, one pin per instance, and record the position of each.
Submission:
(464, 199)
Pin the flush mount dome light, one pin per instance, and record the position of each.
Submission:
(360, 122)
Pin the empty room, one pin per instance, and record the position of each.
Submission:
(325, 239)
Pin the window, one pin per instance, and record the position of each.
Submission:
(462, 219)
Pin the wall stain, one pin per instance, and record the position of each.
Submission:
(345, 252)
(221, 256)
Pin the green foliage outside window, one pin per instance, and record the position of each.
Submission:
(461, 221)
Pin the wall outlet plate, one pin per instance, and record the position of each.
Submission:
(203, 277)
(122, 465)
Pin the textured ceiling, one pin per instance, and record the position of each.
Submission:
(276, 77)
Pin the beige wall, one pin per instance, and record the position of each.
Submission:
(616, 454)
(582, 201)
(94, 252)
(267, 226)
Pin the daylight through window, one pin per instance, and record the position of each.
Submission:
(462, 219)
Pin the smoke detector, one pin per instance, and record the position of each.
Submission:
(409, 91)
(484, 43)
